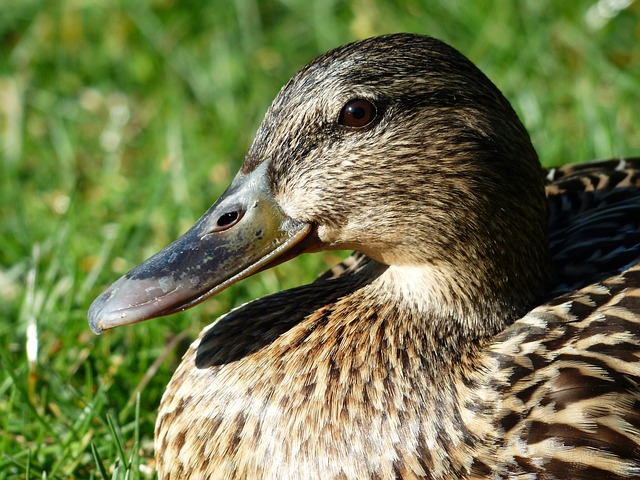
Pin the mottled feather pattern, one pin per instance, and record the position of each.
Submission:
(555, 174)
(572, 396)
(352, 263)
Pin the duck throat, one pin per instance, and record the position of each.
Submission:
(457, 306)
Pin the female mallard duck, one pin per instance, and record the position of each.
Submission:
(486, 329)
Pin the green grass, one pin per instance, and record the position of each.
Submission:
(122, 121)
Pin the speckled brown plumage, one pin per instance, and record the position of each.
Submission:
(487, 326)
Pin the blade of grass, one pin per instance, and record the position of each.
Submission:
(116, 435)
(98, 461)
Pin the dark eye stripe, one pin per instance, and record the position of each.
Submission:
(357, 113)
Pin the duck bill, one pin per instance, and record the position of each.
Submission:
(244, 232)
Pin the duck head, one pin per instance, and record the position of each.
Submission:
(395, 146)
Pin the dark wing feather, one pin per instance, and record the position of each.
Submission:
(594, 220)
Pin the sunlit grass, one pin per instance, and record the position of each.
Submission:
(122, 121)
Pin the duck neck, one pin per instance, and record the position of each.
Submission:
(452, 308)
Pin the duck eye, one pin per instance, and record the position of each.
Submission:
(357, 113)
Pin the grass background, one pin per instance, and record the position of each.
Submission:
(122, 121)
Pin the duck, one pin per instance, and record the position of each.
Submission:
(486, 326)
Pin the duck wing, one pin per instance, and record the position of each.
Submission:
(571, 395)
(594, 220)
(571, 367)
(352, 264)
